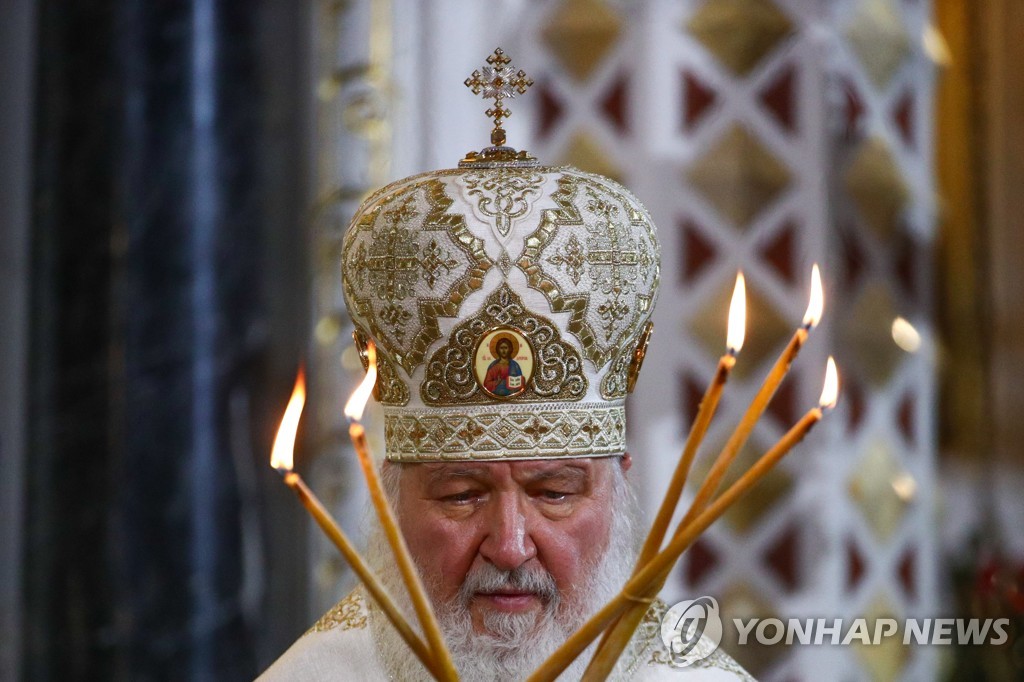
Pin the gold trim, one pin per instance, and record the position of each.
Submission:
(638, 356)
(647, 647)
(503, 433)
(348, 614)
(499, 157)
(389, 389)
(616, 382)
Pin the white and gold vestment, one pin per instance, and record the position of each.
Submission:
(341, 648)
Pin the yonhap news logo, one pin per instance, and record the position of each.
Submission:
(873, 631)
(692, 630)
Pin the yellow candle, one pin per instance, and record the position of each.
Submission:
(359, 567)
(651, 573)
(705, 413)
(282, 458)
(402, 557)
(389, 524)
(760, 402)
(708, 404)
(619, 635)
(656, 536)
(651, 577)
(739, 437)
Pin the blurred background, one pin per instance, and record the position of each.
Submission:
(175, 179)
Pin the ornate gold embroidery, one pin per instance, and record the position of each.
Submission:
(648, 645)
(389, 389)
(392, 188)
(722, 661)
(348, 614)
(558, 372)
(604, 282)
(646, 641)
(385, 255)
(390, 261)
(395, 318)
(639, 353)
(613, 259)
(433, 260)
(616, 382)
(548, 430)
(504, 194)
(505, 263)
(410, 260)
(572, 259)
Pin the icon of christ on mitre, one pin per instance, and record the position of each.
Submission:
(503, 376)
(509, 304)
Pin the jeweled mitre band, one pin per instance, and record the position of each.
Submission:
(530, 431)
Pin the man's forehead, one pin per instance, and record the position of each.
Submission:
(542, 468)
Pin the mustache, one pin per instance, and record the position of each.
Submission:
(487, 578)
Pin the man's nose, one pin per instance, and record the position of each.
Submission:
(508, 544)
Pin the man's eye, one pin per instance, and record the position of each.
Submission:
(460, 498)
(554, 495)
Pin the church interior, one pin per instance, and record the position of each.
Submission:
(176, 182)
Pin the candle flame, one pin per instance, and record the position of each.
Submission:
(817, 302)
(830, 393)
(737, 316)
(283, 453)
(357, 402)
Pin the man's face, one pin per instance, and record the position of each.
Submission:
(504, 350)
(545, 516)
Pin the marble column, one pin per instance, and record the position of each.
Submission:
(168, 276)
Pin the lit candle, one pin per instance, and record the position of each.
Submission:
(735, 333)
(619, 634)
(652, 576)
(386, 516)
(281, 458)
(760, 402)
(708, 404)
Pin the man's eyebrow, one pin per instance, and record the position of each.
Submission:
(574, 473)
(446, 473)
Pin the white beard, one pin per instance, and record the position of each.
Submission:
(514, 644)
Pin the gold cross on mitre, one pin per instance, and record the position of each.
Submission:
(498, 80)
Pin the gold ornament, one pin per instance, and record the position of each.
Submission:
(638, 357)
(498, 80)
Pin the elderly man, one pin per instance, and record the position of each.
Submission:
(513, 494)
(516, 556)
